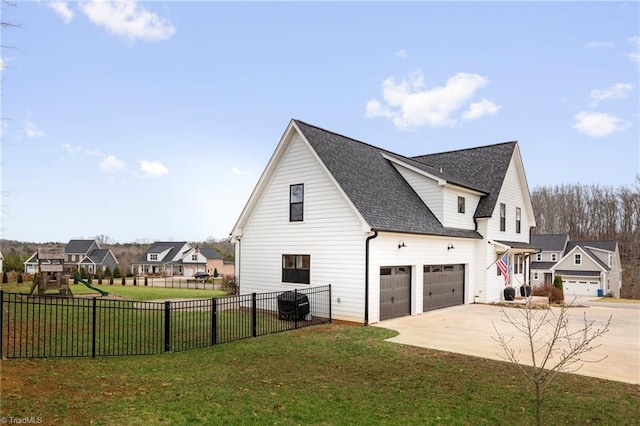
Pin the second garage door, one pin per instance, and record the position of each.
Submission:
(443, 286)
(395, 292)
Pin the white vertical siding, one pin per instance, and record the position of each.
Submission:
(453, 219)
(331, 234)
(419, 250)
(431, 193)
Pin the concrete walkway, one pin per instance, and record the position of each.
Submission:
(469, 330)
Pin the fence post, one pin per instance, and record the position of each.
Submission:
(295, 304)
(1, 321)
(93, 329)
(329, 303)
(167, 326)
(254, 314)
(214, 321)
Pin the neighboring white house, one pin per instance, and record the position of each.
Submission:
(587, 268)
(85, 254)
(171, 258)
(394, 235)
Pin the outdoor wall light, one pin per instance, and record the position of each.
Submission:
(450, 247)
(401, 244)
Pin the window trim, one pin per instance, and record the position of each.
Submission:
(518, 219)
(503, 217)
(554, 257)
(538, 257)
(297, 274)
(577, 258)
(293, 204)
(461, 204)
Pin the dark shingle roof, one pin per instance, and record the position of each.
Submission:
(374, 186)
(210, 253)
(518, 244)
(542, 265)
(159, 247)
(549, 242)
(98, 256)
(485, 167)
(603, 245)
(578, 273)
(78, 246)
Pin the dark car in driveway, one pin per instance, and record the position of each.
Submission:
(201, 275)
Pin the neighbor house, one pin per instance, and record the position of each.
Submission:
(393, 235)
(587, 268)
(170, 258)
(79, 254)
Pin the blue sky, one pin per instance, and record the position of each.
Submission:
(150, 121)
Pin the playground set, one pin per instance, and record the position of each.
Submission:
(52, 274)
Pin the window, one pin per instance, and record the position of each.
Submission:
(296, 202)
(460, 204)
(539, 257)
(577, 259)
(295, 268)
(554, 257)
(503, 217)
(610, 259)
(153, 257)
(535, 276)
(194, 257)
(518, 217)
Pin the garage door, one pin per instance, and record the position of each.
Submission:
(581, 287)
(443, 286)
(395, 291)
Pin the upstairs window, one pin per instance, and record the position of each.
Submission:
(539, 257)
(554, 257)
(194, 257)
(153, 257)
(296, 202)
(296, 268)
(503, 217)
(461, 205)
(577, 259)
(518, 217)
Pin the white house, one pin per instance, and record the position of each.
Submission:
(394, 235)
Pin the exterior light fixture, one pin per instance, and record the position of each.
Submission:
(450, 247)
(401, 244)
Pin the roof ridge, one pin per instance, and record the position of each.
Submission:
(474, 148)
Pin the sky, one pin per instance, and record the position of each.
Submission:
(149, 121)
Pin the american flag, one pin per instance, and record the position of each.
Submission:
(503, 265)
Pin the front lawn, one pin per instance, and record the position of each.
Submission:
(333, 374)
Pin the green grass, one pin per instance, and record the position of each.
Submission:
(614, 300)
(129, 291)
(326, 375)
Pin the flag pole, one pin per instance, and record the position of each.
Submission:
(500, 257)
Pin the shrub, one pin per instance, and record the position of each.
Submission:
(89, 278)
(554, 294)
(146, 281)
(5, 278)
(134, 281)
(215, 272)
(116, 272)
(124, 281)
(229, 284)
(107, 272)
(20, 278)
(557, 282)
(111, 280)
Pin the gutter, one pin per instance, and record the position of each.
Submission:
(366, 277)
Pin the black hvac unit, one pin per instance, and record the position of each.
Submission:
(293, 306)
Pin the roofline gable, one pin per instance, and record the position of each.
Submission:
(582, 251)
(270, 169)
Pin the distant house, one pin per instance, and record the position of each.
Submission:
(393, 235)
(170, 258)
(79, 254)
(1, 261)
(587, 268)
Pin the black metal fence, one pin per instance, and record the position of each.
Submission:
(50, 326)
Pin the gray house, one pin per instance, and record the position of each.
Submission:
(587, 268)
(85, 254)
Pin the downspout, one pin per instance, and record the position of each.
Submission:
(366, 277)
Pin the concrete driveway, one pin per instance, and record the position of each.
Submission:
(469, 330)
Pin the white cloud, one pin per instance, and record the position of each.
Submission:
(127, 19)
(238, 171)
(70, 149)
(32, 131)
(635, 55)
(401, 53)
(410, 103)
(599, 45)
(62, 9)
(111, 163)
(480, 109)
(597, 124)
(617, 91)
(153, 168)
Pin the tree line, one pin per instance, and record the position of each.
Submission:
(595, 212)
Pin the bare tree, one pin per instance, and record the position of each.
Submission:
(553, 346)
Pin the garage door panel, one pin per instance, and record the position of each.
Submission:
(395, 292)
(443, 286)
